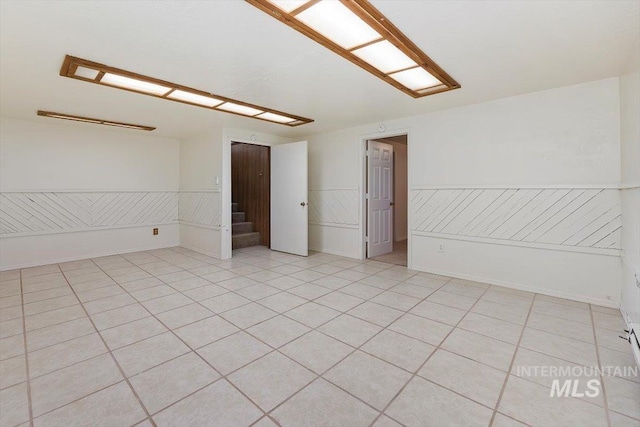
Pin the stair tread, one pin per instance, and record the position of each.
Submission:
(246, 234)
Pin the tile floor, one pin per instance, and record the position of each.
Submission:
(398, 256)
(174, 338)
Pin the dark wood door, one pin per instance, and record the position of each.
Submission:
(250, 185)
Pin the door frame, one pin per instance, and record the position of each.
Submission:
(363, 189)
(225, 205)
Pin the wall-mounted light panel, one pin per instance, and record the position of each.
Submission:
(93, 72)
(91, 120)
(357, 31)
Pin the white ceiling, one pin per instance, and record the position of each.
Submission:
(494, 49)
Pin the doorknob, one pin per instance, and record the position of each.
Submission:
(303, 204)
(391, 204)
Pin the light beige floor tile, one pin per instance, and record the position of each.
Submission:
(503, 421)
(129, 333)
(205, 331)
(492, 327)
(350, 330)
(45, 295)
(489, 351)
(257, 291)
(15, 312)
(469, 378)
(438, 312)
(278, 331)
(248, 315)
(230, 353)
(104, 292)
(148, 353)
(10, 288)
(41, 274)
(400, 350)
(312, 405)
(385, 421)
(609, 321)
(282, 302)
(312, 314)
(65, 354)
(205, 292)
(623, 396)
(43, 286)
(531, 404)
(11, 327)
(368, 378)
(375, 313)
(58, 388)
(271, 379)
(95, 276)
(219, 401)
(624, 361)
(219, 276)
(332, 282)
(309, 291)
(165, 384)
(558, 326)
(189, 284)
(396, 300)
(458, 287)
(619, 420)
(308, 275)
(11, 346)
(562, 311)
(153, 292)
(536, 367)
(109, 303)
(561, 347)
(119, 316)
(265, 422)
(224, 303)
(141, 284)
(361, 290)
(184, 315)
(316, 351)
(452, 300)
(237, 283)
(54, 317)
(611, 339)
(166, 303)
(420, 328)
(562, 301)
(15, 405)
(284, 283)
(510, 313)
(379, 282)
(12, 371)
(411, 290)
(423, 403)
(503, 298)
(339, 301)
(9, 275)
(264, 276)
(115, 405)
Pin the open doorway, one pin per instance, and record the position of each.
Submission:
(250, 195)
(387, 200)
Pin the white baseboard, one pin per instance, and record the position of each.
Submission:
(580, 298)
(200, 251)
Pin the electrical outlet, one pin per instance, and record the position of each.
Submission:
(155, 231)
(441, 248)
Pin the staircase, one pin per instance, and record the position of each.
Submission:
(242, 234)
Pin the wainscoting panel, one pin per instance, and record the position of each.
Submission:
(338, 208)
(200, 208)
(32, 213)
(586, 218)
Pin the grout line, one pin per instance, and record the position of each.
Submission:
(114, 359)
(26, 357)
(604, 391)
(513, 359)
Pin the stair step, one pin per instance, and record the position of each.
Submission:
(241, 227)
(245, 240)
(234, 207)
(237, 217)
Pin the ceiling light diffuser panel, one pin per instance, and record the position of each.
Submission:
(91, 120)
(357, 31)
(93, 72)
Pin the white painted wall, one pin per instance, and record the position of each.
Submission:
(401, 192)
(561, 138)
(72, 191)
(630, 193)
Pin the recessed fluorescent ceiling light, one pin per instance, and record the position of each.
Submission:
(335, 21)
(416, 78)
(289, 5)
(276, 118)
(194, 98)
(93, 72)
(75, 118)
(87, 73)
(359, 32)
(385, 57)
(134, 84)
(239, 109)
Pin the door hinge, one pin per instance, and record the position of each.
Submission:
(366, 153)
(366, 239)
(366, 196)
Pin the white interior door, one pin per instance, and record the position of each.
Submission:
(380, 199)
(289, 190)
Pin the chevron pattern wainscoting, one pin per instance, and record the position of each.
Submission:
(568, 217)
(339, 208)
(201, 208)
(29, 213)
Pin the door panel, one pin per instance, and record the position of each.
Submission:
(380, 190)
(289, 192)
